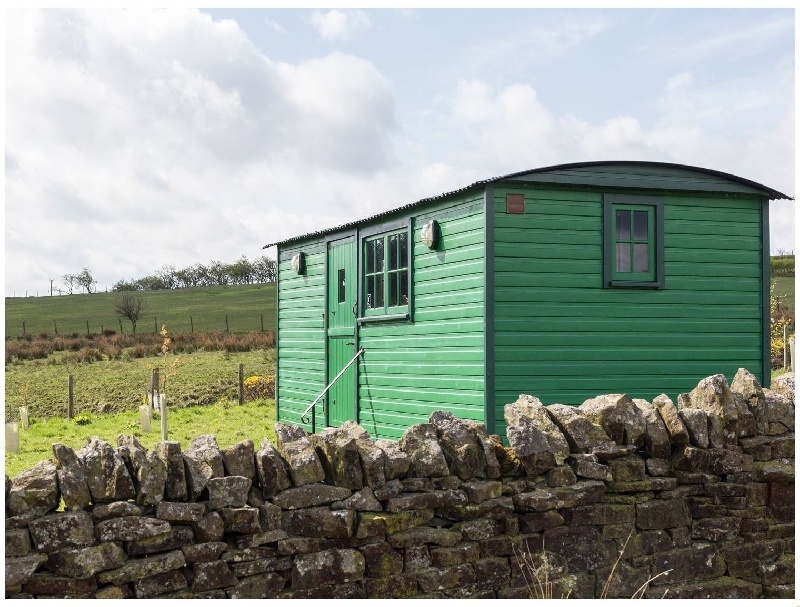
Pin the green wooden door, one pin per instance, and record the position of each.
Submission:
(341, 398)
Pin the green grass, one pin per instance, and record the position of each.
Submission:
(784, 286)
(229, 423)
(114, 386)
(207, 306)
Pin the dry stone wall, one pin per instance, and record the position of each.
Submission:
(698, 499)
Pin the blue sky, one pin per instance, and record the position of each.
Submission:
(136, 139)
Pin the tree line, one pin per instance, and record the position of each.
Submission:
(261, 270)
(782, 264)
(241, 272)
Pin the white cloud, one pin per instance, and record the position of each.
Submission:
(707, 40)
(336, 24)
(556, 34)
(274, 26)
(139, 138)
(727, 128)
(164, 137)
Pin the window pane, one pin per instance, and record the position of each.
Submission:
(641, 261)
(378, 291)
(393, 289)
(404, 287)
(640, 225)
(379, 255)
(341, 287)
(370, 256)
(370, 292)
(393, 252)
(623, 257)
(403, 261)
(623, 225)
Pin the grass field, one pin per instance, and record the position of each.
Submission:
(206, 307)
(113, 386)
(784, 285)
(229, 423)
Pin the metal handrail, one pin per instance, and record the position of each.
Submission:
(321, 394)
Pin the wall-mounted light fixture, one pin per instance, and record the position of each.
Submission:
(431, 234)
(299, 263)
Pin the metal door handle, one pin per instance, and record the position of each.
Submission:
(355, 312)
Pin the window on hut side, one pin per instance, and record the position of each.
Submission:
(633, 242)
(386, 276)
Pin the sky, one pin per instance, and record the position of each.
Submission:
(142, 138)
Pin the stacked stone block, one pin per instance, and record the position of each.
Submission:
(693, 501)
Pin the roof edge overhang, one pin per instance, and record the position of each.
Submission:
(769, 193)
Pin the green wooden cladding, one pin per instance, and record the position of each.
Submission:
(301, 335)
(411, 369)
(516, 303)
(561, 336)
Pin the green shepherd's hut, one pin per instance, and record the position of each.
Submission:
(563, 282)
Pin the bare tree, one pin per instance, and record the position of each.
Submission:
(265, 269)
(167, 276)
(69, 282)
(241, 271)
(86, 280)
(131, 306)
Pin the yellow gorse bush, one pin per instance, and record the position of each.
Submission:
(258, 386)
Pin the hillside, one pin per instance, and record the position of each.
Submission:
(206, 307)
(784, 286)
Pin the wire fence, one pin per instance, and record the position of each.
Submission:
(224, 323)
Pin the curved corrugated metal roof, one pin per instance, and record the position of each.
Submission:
(762, 189)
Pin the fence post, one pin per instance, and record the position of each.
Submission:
(88, 333)
(155, 324)
(227, 330)
(23, 417)
(262, 323)
(191, 322)
(70, 397)
(23, 328)
(785, 349)
(55, 327)
(241, 383)
(120, 327)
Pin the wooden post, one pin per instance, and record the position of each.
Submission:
(23, 417)
(241, 383)
(227, 330)
(12, 437)
(155, 323)
(262, 323)
(55, 327)
(120, 327)
(191, 322)
(70, 397)
(785, 350)
(88, 333)
(23, 328)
